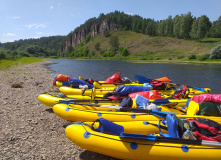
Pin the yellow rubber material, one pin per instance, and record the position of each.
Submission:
(51, 100)
(76, 114)
(137, 149)
(77, 91)
(137, 127)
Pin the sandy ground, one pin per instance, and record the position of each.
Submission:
(29, 129)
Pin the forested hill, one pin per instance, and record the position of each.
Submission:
(44, 46)
(183, 26)
(98, 38)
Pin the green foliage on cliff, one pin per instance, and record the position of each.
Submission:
(183, 26)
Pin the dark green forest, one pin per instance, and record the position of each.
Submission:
(42, 47)
(184, 26)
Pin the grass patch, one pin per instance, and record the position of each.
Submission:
(6, 64)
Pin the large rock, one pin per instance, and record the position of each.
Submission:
(79, 36)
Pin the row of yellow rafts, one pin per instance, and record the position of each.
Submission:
(134, 121)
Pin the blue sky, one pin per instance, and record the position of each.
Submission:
(23, 19)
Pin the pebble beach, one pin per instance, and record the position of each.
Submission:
(29, 129)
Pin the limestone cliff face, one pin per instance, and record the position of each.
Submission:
(98, 29)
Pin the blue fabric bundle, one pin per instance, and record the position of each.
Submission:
(109, 127)
(74, 82)
(126, 90)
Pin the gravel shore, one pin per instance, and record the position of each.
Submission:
(29, 129)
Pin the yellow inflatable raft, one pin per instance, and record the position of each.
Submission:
(51, 100)
(136, 127)
(141, 149)
(100, 85)
(91, 113)
(77, 91)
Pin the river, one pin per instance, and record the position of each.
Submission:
(197, 75)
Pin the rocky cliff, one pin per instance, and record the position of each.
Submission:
(98, 29)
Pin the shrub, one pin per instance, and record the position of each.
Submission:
(2, 55)
(97, 46)
(204, 57)
(215, 53)
(102, 51)
(143, 58)
(92, 53)
(180, 57)
(108, 54)
(125, 52)
(157, 58)
(87, 39)
(114, 42)
(106, 32)
(193, 56)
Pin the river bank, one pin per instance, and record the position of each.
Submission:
(29, 129)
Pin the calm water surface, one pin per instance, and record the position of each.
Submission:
(197, 75)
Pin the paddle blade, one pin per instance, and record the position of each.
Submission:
(142, 79)
(66, 102)
(138, 136)
(161, 101)
(200, 89)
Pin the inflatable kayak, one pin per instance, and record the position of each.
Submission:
(51, 100)
(91, 113)
(209, 106)
(77, 91)
(136, 127)
(113, 81)
(113, 141)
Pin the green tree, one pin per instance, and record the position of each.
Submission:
(186, 22)
(97, 46)
(176, 26)
(215, 30)
(106, 33)
(200, 27)
(217, 26)
(168, 30)
(151, 29)
(114, 42)
(86, 52)
(2, 55)
(125, 52)
(87, 39)
(58, 53)
(70, 49)
(161, 28)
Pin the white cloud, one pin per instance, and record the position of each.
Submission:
(51, 7)
(128, 13)
(16, 17)
(9, 35)
(39, 33)
(35, 26)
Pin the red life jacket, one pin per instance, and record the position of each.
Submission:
(205, 129)
(181, 92)
(147, 94)
(158, 85)
(116, 78)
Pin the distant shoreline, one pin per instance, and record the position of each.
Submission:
(154, 61)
